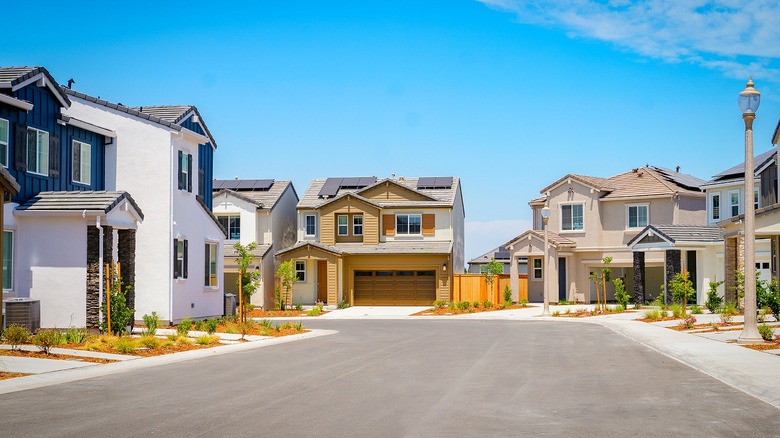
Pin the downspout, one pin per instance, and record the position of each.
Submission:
(171, 281)
(100, 265)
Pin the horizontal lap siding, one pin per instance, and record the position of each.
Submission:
(350, 206)
(392, 192)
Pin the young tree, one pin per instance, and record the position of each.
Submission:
(491, 270)
(606, 273)
(596, 279)
(247, 279)
(287, 278)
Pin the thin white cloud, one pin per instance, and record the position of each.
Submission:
(732, 36)
(483, 236)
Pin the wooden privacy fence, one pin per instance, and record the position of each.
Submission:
(473, 287)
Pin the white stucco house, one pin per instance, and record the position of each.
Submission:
(261, 211)
(163, 155)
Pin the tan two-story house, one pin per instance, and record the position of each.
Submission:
(592, 218)
(369, 241)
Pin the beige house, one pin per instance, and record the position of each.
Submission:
(392, 241)
(592, 218)
(260, 211)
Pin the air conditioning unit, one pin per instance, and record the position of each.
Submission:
(23, 312)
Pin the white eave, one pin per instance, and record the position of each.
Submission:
(199, 138)
(27, 106)
(44, 82)
(89, 126)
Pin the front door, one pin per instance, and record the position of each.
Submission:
(561, 279)
(322, 281)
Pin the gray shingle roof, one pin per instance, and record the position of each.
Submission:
(739, 170)
(9, 181)
(440, 197)
(176, 114)
(681, 179)
(122, 108)
(305, 243)
(264, 199)
(16, 75)
(682, 233)
(103, 201)
(555, 239)
(501, 254)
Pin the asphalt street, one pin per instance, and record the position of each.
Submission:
(405, 378)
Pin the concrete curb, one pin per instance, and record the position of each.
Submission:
(72, 375)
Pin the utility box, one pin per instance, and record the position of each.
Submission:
(230, 304)
(23, 312)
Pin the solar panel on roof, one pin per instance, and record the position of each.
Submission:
(502, 253)
(263, 184)
(425, 181)
(439, 182)
(366, 181)
(349, 182)
(330, 188)
(444, 182)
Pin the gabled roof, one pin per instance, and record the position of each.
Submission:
(210, 214)
(555, 239)
(311, 243)
(262, 199)
(122, 108)
(16, 77)
(410, 188)
(442, 197)
(593, 182)
(347, 195)
(78, 201)
(680, 234)
(681, 179)
(737, 173)
(8, 182)
(763, 211)
(177, 114)
(501, 254)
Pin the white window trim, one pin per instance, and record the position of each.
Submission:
(560, 217)
(13, 257)
(81, 161)
(354, 225)
(306, 225)
(180, 241)
(731, 205)
(216, 264)
(397, 233)
(27, 151)
(228, 216)
(300, 270)
(346, 225)
(757, 197)
(534, 268)
(712, 206)
(628, 208)
(7, 140)
(185, 157)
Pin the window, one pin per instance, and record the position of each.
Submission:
(179, 258)
(343, 225)
(300, 271)
(231, 224)
(755, 198)
(571, 217)
(82, 162)
(8, 260)
(4, 142)
(38, 151)
(357, 225)
(537, 269)
(716, 206)
(408, 224)
(211, 264)
(734, 198)
(185, 171)
(637, 216)
(311, 224)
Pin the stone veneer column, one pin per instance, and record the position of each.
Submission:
(734, 254)
(672, 266)
(94, 271)
(126, 257)
(639, 277)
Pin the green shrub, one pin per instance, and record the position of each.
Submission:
(183, 340)
(681, 288)
(487, 304)
(210, 326)
(16, 335)
(620, 292)
(464, 305)
(618, 309)
(299, 326)
(102, 343)
(298, 306)
(184, 327)
(198, 325)
(121, 315)
(696, 310)
(556, 313)
(678, 311)
(475, 304)
(315, 311)
(653, 314)
(245, 327)
(507, 294)
(125, 344)
(688, 323)
(149, 341)
(207, 339)
(714, 300)
(453, 305)
(767, 295)
(727, 312)
(45, 339)
(152, 322)
(767, 332)
(438, 304)
(523, 302)
(76, 335)
(344, 304)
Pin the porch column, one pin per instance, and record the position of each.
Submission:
(734, 255)
(94, 271)
(126, 256)
(639, 277)
(514, 281)
(672, 267)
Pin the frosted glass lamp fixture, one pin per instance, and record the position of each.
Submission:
(749, 98)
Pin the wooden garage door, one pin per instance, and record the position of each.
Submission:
(395, 288)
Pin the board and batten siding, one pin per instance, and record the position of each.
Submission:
(205, 162)
(392, 192)
(44, 116)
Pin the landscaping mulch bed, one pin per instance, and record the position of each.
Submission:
(42, 355)
(258, 330)
(764, 346)
(446, 311)
(260, 313)
(160, 351)
(4, 375)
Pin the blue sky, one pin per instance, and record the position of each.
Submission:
(508, 95)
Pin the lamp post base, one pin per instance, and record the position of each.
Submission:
(750, 336)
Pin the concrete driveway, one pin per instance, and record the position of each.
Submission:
(406, 378)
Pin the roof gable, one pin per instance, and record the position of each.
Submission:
(391, 190)
(15, 78)
(182, 115)
(591, 182)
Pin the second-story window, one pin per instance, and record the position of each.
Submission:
(408, 224)
(756, 198)
(180, 258)
(571, 217)
(343, 225)
(37, 151)
(357, 225)
(82, 161)
(185, 171)
(310, 222)
(734, 198)
(637, 216)
(716, 206)
(4, 142)
(231, 224)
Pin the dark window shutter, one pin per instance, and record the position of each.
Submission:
(20, 148)
(207, 276)
(181, 186)
(186, 259)
(54, 156)
(176, 273)
(201, 182)
(189, 173)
